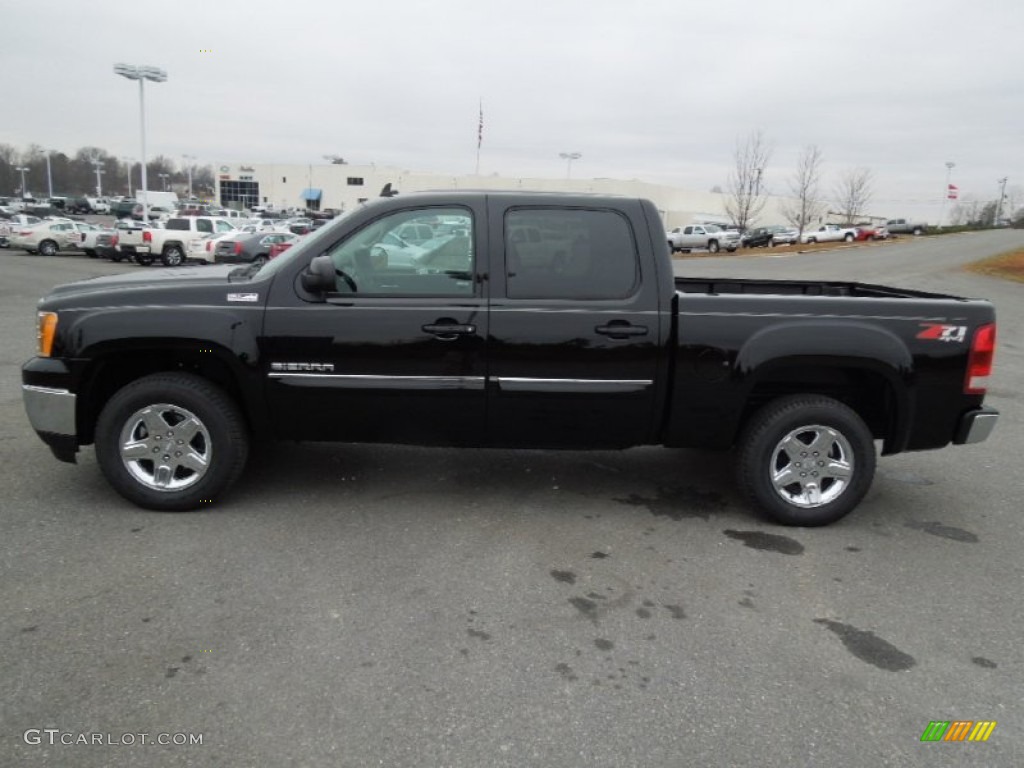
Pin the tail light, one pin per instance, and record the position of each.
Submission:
(25, 232)
(238, 249)
(209, 245)
(114, 240)
(979, 364)
(147, 236)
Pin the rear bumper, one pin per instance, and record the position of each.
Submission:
(975, 426)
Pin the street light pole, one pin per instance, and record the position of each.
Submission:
(142, 73)
(950, 165)
(98, 166)
(188, 167)
(1002, 196)
(164, 177)
(49, 176)
(128, 162)
(23, 170)
(569, 157)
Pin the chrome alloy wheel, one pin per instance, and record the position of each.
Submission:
(165, 447)
(812, 466)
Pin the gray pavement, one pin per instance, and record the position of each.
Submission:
(384, 605)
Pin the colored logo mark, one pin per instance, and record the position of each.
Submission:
(958, 730)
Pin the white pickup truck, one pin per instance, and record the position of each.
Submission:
(829, 233)
(709, 237)
(169, 243)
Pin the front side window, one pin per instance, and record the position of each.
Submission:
(377, 260)
(568, 253)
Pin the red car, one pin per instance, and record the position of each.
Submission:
(276, 249)
(871, 232)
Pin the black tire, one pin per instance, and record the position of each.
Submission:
(917, 230)
(144, 259)
(116, 257)
(260, 260)
(222, 442)
(173, 255)
(811, 240)
(713, 246)
(48, 248)
(848, 238)
(91, 253)
(794, 419)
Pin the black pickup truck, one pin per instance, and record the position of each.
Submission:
(529, 319)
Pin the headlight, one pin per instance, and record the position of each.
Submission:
(46, 331)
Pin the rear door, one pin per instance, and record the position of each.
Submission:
(574, 339)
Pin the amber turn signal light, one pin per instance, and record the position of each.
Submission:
(47, 330)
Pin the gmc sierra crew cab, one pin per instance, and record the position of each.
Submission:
(169, 243)
(583, 339)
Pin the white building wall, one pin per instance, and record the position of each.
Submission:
(282, 186)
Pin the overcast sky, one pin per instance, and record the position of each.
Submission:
(655, 90)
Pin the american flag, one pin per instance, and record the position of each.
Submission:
(480, 127)
(952, 191)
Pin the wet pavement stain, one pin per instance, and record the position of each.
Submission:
(868, 647)
(648, 603)
(171, 672)
(679, 503)
(603, 645)
(588, 608)
(485, 636)
(33, 628)
(676, 611)
(852, 549)
(945, 531)
(596, 596)
(746, 602)
(599, 555)
(981, 661)
(565, 671)
(643, 613)
(566, 577)
(767, 542)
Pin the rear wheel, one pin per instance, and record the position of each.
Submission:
(173, 256)
(171, 442)
(48, 248)
(713, 246)
(848, 238)
(143, 259)
(806, 460)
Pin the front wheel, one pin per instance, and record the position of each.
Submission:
(806, 460)
(171, 442)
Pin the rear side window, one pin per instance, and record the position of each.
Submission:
(179, 224)
(569, 253)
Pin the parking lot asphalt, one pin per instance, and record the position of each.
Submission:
(386, 605)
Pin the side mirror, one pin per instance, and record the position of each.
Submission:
(319, 276)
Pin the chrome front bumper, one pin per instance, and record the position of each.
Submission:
(50, 411)
(976, 426)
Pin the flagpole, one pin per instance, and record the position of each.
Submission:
(479, 136)
(945, 194)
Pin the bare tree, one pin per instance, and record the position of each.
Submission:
(805, 189)
(853, 193)
(745, 201)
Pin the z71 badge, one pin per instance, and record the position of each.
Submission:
(938, 332)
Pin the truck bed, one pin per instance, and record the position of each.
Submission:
(729, 286)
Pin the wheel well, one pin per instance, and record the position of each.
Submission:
(174, 243)
(866, 392)
(108, 375)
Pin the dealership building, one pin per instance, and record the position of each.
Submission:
(343, 187)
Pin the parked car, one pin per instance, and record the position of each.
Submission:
(88, 236)
(829, 233)
(47, 237)
(906, 227)
(250, 249)
(709, 237)
(276, 249)
(9, 223)
(762, 237)
(601, 346)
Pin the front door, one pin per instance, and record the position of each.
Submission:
(396, 352)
